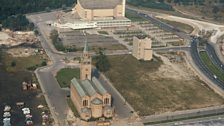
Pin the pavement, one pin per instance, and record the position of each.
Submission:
(54, 95)
(192, 52)
(205, 121)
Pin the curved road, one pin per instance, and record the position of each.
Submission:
(55, 96)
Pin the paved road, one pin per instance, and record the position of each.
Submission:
(193, 51)
(55, 96)
(213, 56)
(206, 121)
(203, 67)
(161, 24)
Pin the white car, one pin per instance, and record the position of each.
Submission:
(215, 76)
(6, 114)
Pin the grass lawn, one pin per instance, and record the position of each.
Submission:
(22, 63)
(73, 108)
(108, 47)
(150, 93)
(212, 67)
(103, 32)
(11, 89)
(134, 17)
(181, 26)
(64, 76)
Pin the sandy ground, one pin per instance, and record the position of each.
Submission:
(10, 38)
(218, 30)
(174, 71)
(21, 52)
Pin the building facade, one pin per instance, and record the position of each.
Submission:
(95, 14)
(89, 96)
(100, 9)
(142, 49)
(86, 65)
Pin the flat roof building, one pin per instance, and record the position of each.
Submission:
(142, 48)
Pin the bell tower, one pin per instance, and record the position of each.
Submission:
(86, 64)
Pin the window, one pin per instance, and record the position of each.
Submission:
(85, 103)
(106, 101)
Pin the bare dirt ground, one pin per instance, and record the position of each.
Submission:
(218, 30)
(161, 85)
(21, 52)
(10, 38)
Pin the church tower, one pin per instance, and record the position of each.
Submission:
(86, 64)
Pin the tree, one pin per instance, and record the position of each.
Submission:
(13, 63)
(215, 10)
(54, 35)
(44, 63)
(36, 32)
(102, 62)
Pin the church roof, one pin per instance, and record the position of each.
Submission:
(78, 87)
(99, 4)
(88, 88)
(99, 86)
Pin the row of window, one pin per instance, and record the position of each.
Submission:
(85, 103)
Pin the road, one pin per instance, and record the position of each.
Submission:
(206, 121)
(161, 24)
(210, 49)
(193, 51)
(55, 96)
(203, 67)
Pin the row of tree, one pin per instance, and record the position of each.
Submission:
(12, 11)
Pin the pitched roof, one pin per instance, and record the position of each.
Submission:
(99, 4)
(87, 86)
(78, 87)
(98, 86)
(86, 47)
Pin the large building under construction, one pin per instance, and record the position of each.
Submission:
(96, 14)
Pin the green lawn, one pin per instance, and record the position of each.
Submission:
(212, 67)
(150, 93)
(23, 63)
(64, 76)
(103, 32)
(73, 108)
(181, 26)
(134, 17)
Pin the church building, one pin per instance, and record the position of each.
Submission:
(89, 96)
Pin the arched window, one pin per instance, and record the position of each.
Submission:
(85, 103)
(106, 101)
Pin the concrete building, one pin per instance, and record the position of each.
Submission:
(100, 9)
(142, 48)
(90, 98)
(95, 14)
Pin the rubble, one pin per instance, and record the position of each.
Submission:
(10, 38)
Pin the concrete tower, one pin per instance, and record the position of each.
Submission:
(86, 64)
(124, 5)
